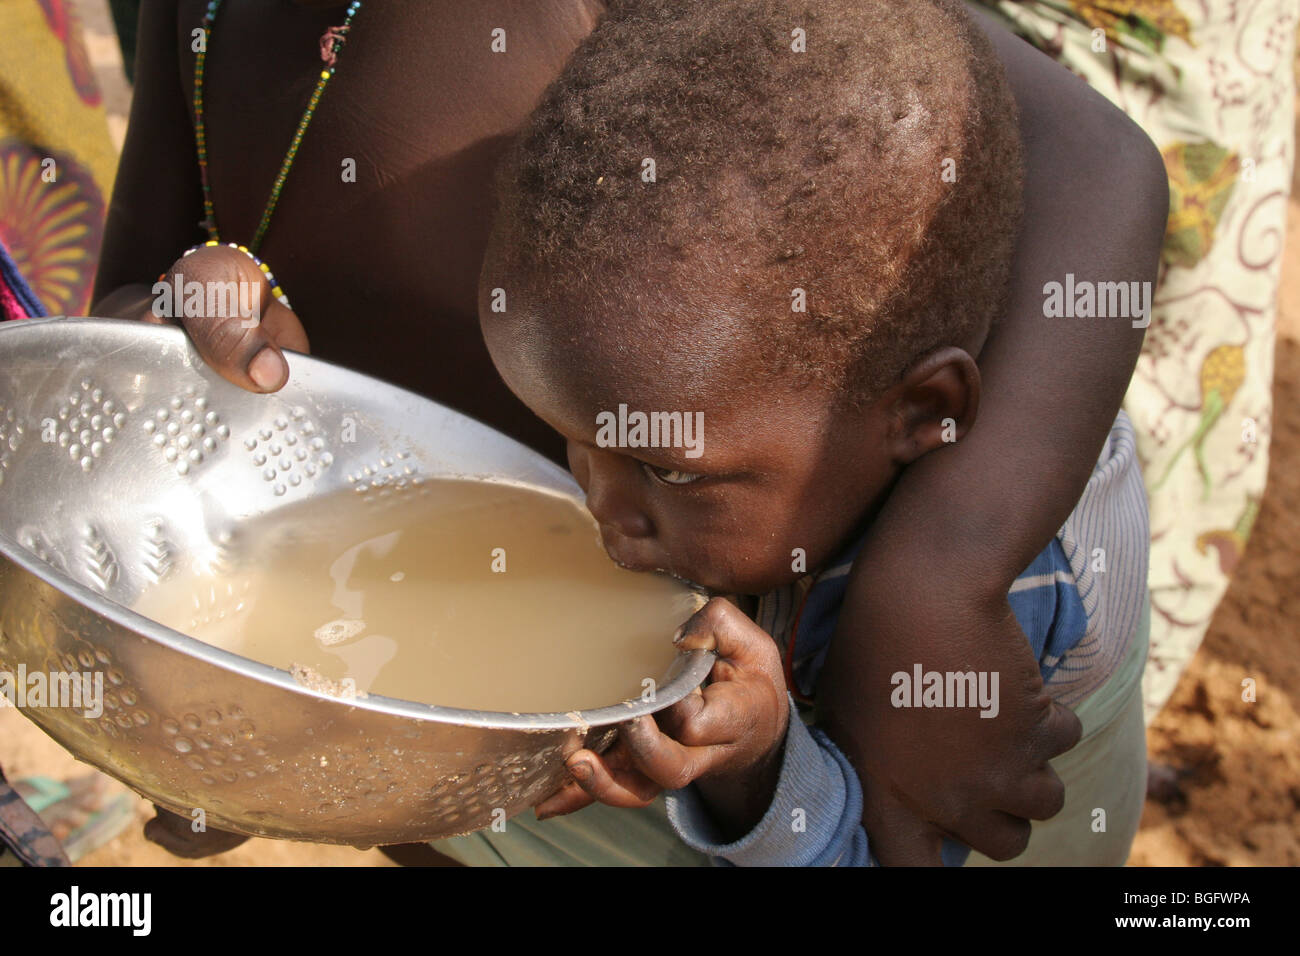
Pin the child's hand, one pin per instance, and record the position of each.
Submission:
(244, 352)
(727, 738)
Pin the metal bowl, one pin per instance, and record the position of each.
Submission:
(122, 456)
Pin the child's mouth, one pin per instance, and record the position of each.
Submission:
(693, 585)
(614, 556)
(628, 565)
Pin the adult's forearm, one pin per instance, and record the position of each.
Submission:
(156, 205)
(1096, 199)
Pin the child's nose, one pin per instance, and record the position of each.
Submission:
(610, 484)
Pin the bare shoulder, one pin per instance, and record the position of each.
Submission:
(1067, 126)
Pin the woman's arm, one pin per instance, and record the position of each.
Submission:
(930, 586)
(157, 206)
(156, 214)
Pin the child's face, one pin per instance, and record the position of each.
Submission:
(777, 484)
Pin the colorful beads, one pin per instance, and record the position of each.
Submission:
(262, 266)
(331, 43)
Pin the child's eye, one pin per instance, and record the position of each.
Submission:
(670, 477)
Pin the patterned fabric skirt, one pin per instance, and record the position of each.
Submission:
(56, 165)
(57, 161)
(1212, 82)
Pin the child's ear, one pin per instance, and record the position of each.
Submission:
(934, 405)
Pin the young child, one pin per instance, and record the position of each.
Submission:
(378, 237)
(806, 245)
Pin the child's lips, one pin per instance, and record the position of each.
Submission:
(626, 559)
(629, 555)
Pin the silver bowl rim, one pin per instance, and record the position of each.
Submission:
(687, 671)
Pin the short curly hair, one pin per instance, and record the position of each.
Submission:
(878, 169)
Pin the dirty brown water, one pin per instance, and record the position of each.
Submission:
(409, 600)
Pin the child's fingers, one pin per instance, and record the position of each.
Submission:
(568, 799)
(663, 760)
(673, 719)
(708, 725)
(722, 627)
(732, 710)
(624, 787)
(737, 723)
(717, 714)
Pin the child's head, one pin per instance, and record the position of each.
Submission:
(795, 218)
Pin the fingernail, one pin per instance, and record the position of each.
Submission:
(580, 770)
(267, 370)
(681, 632)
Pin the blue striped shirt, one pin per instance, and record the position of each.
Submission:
(1078, 603)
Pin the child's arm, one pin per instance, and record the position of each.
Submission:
(930, 585)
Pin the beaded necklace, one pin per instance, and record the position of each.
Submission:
(330, 45)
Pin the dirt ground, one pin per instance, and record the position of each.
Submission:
(1239, 802)
(1236, 801)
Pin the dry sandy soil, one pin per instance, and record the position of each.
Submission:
(1239, 800)
(1236, 800)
